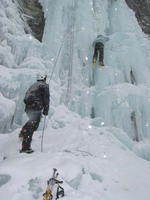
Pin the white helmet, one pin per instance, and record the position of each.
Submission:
(41, 76)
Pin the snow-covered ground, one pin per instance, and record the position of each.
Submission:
(97, 131)
(92, 162)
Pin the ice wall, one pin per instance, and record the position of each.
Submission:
(111, 94)
(22, 57)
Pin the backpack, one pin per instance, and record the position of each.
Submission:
(29, 97)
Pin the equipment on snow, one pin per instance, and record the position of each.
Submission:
(50, 184)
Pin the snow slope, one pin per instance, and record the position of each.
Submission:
(97, 131)
(92, 162)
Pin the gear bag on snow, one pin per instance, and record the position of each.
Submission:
(48, 195)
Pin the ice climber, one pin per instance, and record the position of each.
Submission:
(36, 102)
(98, 45)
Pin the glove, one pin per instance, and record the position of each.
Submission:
(45, 112)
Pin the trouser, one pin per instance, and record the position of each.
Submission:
(30, 126)
(99, 48)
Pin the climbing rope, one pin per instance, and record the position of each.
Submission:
(68, 93)
(64, 37)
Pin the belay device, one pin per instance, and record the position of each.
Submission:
(50, 184)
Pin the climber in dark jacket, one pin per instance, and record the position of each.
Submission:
(36, 102)
(98, 45)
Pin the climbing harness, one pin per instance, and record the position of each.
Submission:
(48, 195)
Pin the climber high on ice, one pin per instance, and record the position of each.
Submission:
(98, 45)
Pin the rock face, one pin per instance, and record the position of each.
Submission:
(32, 9)
(36, 21)
(142, 13)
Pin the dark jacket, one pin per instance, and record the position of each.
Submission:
(38, 96)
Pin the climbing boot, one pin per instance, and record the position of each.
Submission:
(94, 61)
(26, 147)
(101, 63)
(26, 151)
(26, 141)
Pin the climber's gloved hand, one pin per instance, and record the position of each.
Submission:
(45, 112)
